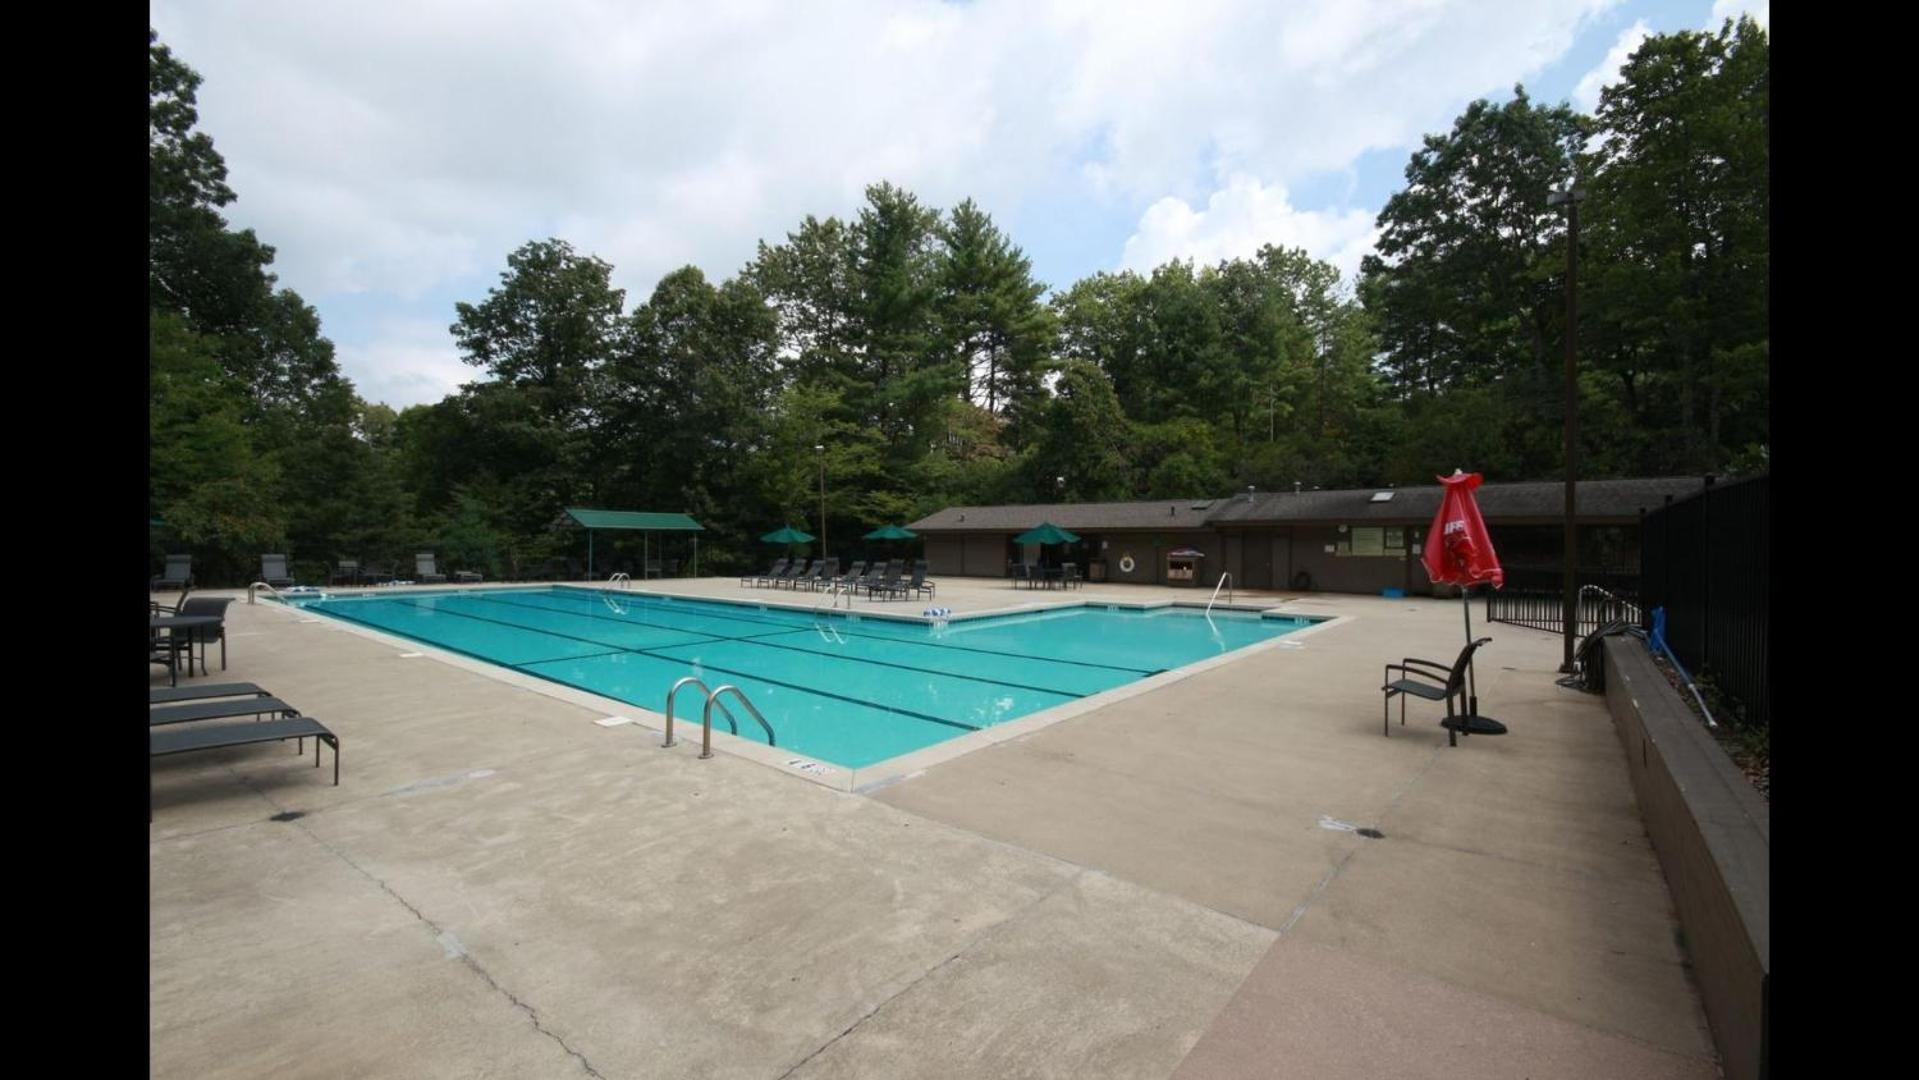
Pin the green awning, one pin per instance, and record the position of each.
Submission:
(891, 532)
(634, 519)
(1046, 533)
(787, 535)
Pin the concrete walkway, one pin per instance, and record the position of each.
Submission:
(1164, 884)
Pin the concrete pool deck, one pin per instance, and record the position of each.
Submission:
(1159, 886)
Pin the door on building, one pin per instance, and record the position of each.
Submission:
(1258, 560)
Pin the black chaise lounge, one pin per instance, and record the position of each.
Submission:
(273, 571)
(178, 575)
(1432, 681)
(161, 743)
(174, 695)
(221, 709)
(793, 573)
(346, 571)
(424, 571)
(771, 574)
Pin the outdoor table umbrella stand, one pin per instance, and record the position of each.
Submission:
(1472, 723)
(1459, 552)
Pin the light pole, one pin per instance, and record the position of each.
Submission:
(819, 449)
(1570, 198)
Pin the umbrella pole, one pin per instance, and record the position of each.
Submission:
(1472, 678)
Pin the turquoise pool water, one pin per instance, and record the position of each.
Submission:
(843, 689)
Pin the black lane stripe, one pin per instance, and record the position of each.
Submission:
(602, 618)
(922, 644)
(709, 638)
(663, 659)
(508, 664)
(903, 667)
(790, 686)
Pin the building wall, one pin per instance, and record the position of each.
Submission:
(1348, 573)
(943, 555)
(1149, 549)
(985, 555)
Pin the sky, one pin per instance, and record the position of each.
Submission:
(393, 154)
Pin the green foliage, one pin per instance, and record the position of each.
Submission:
(906, 359)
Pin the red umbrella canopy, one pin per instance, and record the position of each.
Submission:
(1458, 551)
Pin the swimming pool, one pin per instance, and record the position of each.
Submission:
(842, 688)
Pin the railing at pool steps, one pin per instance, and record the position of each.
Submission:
(1225, 582)
(706, 715)
(263, 585)
(621, 580)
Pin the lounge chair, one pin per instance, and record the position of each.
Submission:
(206, 635)
(187, 740)
(891, 582)
(811, 579)
(273, 571)
(878, 577)
(1069, 576)
(919, 585)
(425, 571)
(852, 576)
(793, 573)
(772, 573)
(202, 693)
(221, 709)
(651, 568)
(345, 571)
(1432, 681)
(468, 577)
(827, 576)
(178, 575)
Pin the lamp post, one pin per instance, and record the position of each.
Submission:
(1570, 198)
(819, 449)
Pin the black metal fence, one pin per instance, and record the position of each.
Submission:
(1534, 595)
(1705, 559)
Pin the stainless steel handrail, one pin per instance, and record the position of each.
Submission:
(706, 719)
(1225, 580)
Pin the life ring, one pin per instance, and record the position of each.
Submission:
(1126, 564)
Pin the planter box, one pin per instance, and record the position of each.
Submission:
(1712, 833)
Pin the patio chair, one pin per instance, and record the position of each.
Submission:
(852, 575)
(1069, 575)
(778, 568)
(206, 635)
(345, 571)
(811, 579)
(468, 577)
(178, 575)
(1432, 681)
(424, 571)
(892, 582)
(652, 568)
(273, 571)
(187, 740)
(1022, 572)
(921, 586)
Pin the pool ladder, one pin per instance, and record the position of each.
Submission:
(621, 580)
(706, 715)
(1225, 582)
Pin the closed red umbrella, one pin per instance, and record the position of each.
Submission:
(1459, 552)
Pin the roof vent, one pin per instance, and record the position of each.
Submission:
(1295, 487)
(1172, 511)
(962, 517)
(1382, 496)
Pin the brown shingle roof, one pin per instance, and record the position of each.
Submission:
(1541, 499)
(1143, 514)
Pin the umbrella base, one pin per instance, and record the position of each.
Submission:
(1474, 725)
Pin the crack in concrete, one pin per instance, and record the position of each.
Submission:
(441, 935)
(1300, 911)
(934, 970)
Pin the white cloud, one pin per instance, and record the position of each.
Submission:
(1722, 10)
(1586, 94)
(407, 362)
(404, 149)
(1237, 220)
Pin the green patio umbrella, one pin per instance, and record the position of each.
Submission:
(1046, 533)
(891, 532)
(787, 535)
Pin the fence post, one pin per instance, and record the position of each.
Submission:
(1705, 574)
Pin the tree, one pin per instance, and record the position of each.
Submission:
(1080, 453)
(989, 313)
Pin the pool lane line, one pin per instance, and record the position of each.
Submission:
(554, 633)
(1141, 672)
(761, 640)
(625, 621)
(482, 657)
(814, 690)
(669, 660)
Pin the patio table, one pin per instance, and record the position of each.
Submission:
(178, 624)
